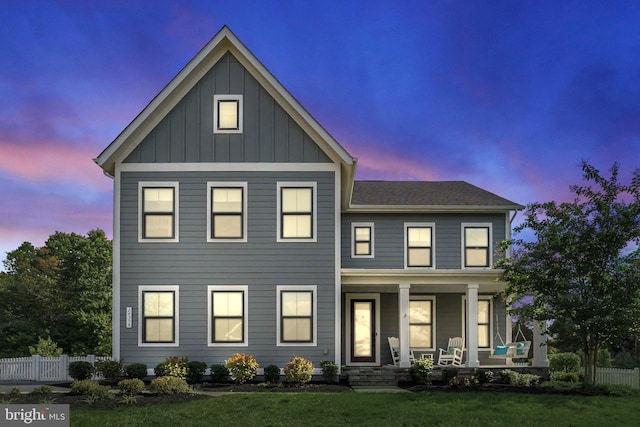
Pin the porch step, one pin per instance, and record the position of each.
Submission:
(372, 376)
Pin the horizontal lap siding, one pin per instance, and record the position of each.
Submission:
(261, 263)
(389, 237)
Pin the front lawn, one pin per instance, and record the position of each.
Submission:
(385, 409)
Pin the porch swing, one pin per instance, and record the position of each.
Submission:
(511, 350)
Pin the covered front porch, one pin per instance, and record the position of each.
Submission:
(424, 310)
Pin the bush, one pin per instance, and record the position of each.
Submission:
(515, 378)
(483, 376)
(242, 367)
(421, 370)
(299, 370)
(329, 371)
(131, 387)
(173, 367)
(110, 370)
(90, 388)
(508, 376)
(46, 347)
(272, 374)
(81, 370)
(136, 370)
(169, 385)
(569, 377)
(195, 371)
(219, 373)
(624, 360)
(448, 374)
(564, 362)
(44, 390)
(603, 359)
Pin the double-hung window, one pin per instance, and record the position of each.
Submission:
(227, 212)
(362, 240)
(476, 251)
(227, 113)
(158, 311)
(158, 207)
(419, 245)
(296, 308)
(483, 321)
(421, 322)
(228, 315)
(296, 211)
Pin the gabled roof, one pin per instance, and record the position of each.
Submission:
(426, 195)
(223, 42)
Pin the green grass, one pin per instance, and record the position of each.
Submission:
(384, 409)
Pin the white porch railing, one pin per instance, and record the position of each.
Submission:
(39, 368)
(614, 376)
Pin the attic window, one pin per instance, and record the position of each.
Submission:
(227, 114)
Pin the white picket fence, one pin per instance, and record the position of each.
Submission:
(614, 376)
(39, 368)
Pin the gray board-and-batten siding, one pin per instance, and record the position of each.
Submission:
(186, 134)
(261, 263)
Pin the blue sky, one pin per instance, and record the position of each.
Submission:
(507, 95)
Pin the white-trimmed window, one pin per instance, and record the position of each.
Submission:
(362, 240)
(297, 216)
(419, 245)
(485, 325)
(158, 316)
(228, 307)
(297, 319)
(476, 245)
(227, 211)
(227, 113)
(422, 322)
(158, 211)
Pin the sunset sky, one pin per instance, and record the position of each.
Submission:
(507, 95)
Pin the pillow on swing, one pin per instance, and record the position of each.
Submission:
(501, 350)
(520, 348)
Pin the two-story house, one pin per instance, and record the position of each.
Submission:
(239, 227)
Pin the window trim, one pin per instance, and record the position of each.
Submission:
(244, 214)
(369, 225)
(431, 225)
(142, 185)
(176, 314)
(245, 315)
(314, 210)
(463, 239)
(431, 298)
(491, 323)
(314, 315)
(228, 97)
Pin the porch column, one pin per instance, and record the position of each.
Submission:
(508, 336)
(539, 346)
(403, 323)
(472, 325)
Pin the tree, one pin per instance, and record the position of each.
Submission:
(583, 267)
(61, 290)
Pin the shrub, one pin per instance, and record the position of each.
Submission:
(603, 359)
(329, 370)
(90, 388)
(195, 371)
(110, 370)
(299, 370)
(515, 378)
(483, 376)
(272, 374)
(173, 367)
(421, 370)
(131, 387)
(624, 360)
(136, 370)
(219, 373)
(242, 367)
(44, 390)
(46, 347)
(448, 374)
(169, 385)
(569, 377)
(462, 382)
(81, 370)
(564, 362)
(508, 376)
